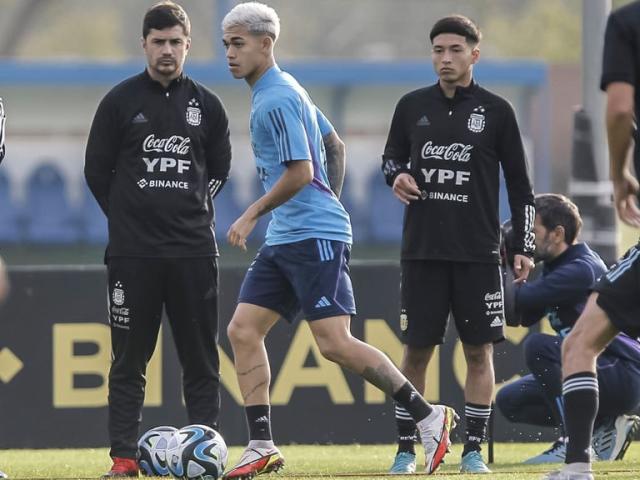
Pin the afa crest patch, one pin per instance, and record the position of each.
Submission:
(476, 120)
(118, 294)
(404, 322)
(194, 114)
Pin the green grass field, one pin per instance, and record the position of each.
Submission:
(313, 462)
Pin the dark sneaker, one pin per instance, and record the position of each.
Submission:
(122, 467)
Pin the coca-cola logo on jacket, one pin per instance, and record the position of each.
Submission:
(174, 144)
(456, 152)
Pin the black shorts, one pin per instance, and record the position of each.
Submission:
(619, 293)
(431, 289)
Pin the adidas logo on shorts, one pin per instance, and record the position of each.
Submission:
(323, 302)
(497, 322)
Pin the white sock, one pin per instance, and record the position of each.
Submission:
(261, 444)
(577, 467)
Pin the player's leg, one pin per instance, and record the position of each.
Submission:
(478, 392)
(543, 358)
(477, 306)
(135, 308)
(523, 401)
(580, 349)
(618, 373)
(614, 307)
(413, 366)
(424, 311)
(247, 331)
(318, 270)
(434, 422)
(192, 307)
(265, 296)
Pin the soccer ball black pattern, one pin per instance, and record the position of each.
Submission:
(152, 448)
(197, 452)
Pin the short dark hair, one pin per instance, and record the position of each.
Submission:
(166, 14)
(557, 210)
(458, 24)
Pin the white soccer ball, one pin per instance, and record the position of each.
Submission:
(197, 452)
(152, 448)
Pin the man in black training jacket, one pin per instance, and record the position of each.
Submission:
(158, 153)
(442, 159)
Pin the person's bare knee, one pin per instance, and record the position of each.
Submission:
(249, 325)
(416, 359)
(241, 334)
(479, 357)
(333, 343)
(588, 338)
(333, 337)
(333, 353)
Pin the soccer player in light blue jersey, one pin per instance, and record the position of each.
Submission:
(303, 265)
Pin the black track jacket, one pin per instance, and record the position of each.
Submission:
(154, 160)
(453, 148)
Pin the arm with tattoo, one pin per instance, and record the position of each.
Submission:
(336, 161)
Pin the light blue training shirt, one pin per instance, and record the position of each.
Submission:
(286, 126)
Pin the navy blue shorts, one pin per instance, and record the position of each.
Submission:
(311, 275)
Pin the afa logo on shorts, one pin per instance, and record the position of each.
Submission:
(118, 294)
(404, 321)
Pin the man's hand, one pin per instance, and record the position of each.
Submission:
(625, 191)
(406, 188)
(522, 265)
(241, 228)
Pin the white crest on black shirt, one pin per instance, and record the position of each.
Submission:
(194, 115)
(476, 120)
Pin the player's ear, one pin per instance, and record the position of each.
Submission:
(267, 43)
(475, 54)
(560, 233)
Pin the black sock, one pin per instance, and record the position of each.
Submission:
(476, 419)
(407, 434)
(580, 393)
(259, 420)
(409, 398)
